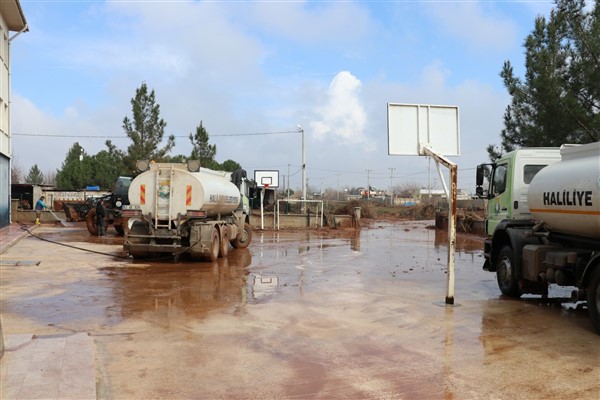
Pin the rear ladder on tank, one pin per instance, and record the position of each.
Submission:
(162, 219)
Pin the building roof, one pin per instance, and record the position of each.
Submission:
(12, 13)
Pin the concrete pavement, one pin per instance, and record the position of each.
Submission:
(44, 367)
(12, 233)
(48, 367)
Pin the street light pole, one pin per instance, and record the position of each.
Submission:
(301, 130)
(368, 184)
(391, 185)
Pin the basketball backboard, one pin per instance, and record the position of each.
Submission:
(267, 178)
(413, 126)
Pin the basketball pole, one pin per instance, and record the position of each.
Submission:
(413, 129)
(262, 210)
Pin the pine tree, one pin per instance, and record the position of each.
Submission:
(146, 131)
(201, 149)
(76, 170)
(35, 176)
(559, 99)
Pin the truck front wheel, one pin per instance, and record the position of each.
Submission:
(244, 238)
(593, 298)
(506, 273)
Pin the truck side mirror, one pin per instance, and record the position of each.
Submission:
(481, 172)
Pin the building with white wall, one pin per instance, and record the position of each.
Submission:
(13, 20)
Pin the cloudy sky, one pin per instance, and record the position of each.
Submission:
(249, 67)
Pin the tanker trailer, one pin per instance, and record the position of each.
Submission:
(543, 222)
(180, 209)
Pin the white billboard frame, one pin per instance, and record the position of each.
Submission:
(412, 127)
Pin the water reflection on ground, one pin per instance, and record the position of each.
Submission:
(306, 314)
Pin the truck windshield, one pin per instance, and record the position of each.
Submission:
(499, 180)
(529, 171)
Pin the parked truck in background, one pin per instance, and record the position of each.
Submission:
(180, 209)
(543, 221)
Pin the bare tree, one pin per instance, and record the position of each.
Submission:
(50, 177)
(16, 171)
(407, 190)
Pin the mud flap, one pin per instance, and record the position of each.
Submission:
(200, 239)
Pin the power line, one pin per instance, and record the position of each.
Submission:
(126, 137)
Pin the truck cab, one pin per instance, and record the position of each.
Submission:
(507, 205)
(543, 221)
(509, 181)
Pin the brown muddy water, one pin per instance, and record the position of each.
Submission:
(301, 315)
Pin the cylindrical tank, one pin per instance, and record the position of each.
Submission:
(170, 190)
(566, 195)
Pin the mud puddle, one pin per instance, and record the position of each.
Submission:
(302, 314)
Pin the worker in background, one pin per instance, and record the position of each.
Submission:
(100, 215)
(39, 206)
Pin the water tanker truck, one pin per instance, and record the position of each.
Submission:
(178, 208)
(543, 221)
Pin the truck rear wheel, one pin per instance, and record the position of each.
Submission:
(506, 273)
(120, 229)
(213, 251)
(593, 299)
(224, 242)
(90, 221)
(244, 238)
(120, 225)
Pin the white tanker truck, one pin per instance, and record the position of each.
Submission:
(180, 209)
(543, 221)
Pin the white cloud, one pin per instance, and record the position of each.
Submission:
(473, 23)
(211, 61)
(434, 76)
(343, 115)
(315, 23)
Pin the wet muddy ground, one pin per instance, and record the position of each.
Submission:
(301, 315)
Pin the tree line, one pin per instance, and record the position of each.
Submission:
(558, 99)
(146, 130)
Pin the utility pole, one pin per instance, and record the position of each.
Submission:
(301, 130)
(338, 186)
(429, 179)
(368, 183)
(288, 183)
(391, 186)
